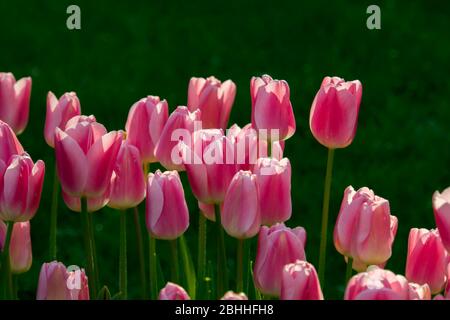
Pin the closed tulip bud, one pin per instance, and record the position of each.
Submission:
(173, 291)
(21, 183)
(210, 165)
(59, 112)
(419, 292)
(272, 108)
(377, 284)
(15, 101)
(20, 246)
(213, 98)
(145, 124)
(274, 181)
(85, 156)
(207, 210)
(230, 295)
(277, 246)
(9, 144)
(427, 259)
(128, 181)
(167, 213)
(179, 127)
(365, 229)
(240, 215)
(334, 112)
(300, 282)
(441, 207)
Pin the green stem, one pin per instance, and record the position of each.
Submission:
(349, 269)
(94, 250)
(6, 282)
(201, 263)
(123, 255)
(189, 269)
(153, 270)
(140, 249)
(174, 266)
(325, 209)
(88, 248)
(239, 263)
(54, 217)
(222, 277)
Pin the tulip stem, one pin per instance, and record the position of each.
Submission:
(222, 277)
(6, 280)
(325, 209)
(201, 263)
(349, 269)
(239, 263)
(123, 255)
(140, 249)
(188, 266)
(174, 266)
(54, 217)
(88, 248)
(153, 270)
(94, 251)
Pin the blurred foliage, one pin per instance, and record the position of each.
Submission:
(127, 50)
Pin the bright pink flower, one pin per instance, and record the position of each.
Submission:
(300, 282)
(274, 181)
(128, 181)
(213, 98)
(240, 216)
(20, 252)
(419, 292)
(85, 156)
(145, 124)
(20, 188)
(93, 204)
(207, 210)
(230, 295)
(272, 108)
(15, 101)
(58, 113)
(334, 112)
(173, 291)
(365, 228)
(167, 214)
(441, 207)
(179, 127)
(427, 259)
(57, 283)
(9, 144)
(277, 246)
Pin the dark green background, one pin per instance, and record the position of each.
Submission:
(127, 50)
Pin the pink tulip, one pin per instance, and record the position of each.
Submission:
(59, 112)
(145, 124)
(20, 253)
(365, 229)
(274, 181)
(20, 188)
(179, 126)
(427, 259)
(57, 283)
(277, 246)
(85, 156)
(167, 214)
(230, 295)
(207, 210)
(173, 291)
(272, 108)
(441, 207)
(210, 165)
(213, 98)
(334, 112)
(9, 144)
(377, 284)
(300, 282)
(15, 101)
(419, 292)
(128, 181)
(241, 217)
(93, 204)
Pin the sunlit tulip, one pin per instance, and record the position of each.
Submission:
(230, 295)
(419, 292)
(20, 252)
(173, 291)
(441, 207)
(300, 282)
(9, 144)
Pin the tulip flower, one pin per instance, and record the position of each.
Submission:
(365, 229)
(15, 101)
(179, 127)
(272, 108)
(93, 204)
(145, 124)
(173, 291)
(419, 292)
(128, 181)
(21, 183)
(441, 207)
(334, 112)
(20, 253)
(300, 282)
(167, 214)
(277, 246)
(213, 98)
(207, 210)
(59, 112)
(241, 216)
(427, 259)
(57, 283)
(230, 295)
(9, 144)
(85, 156)
(274, 182)
(377, 284)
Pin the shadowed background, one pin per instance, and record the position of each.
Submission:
(128, 50)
